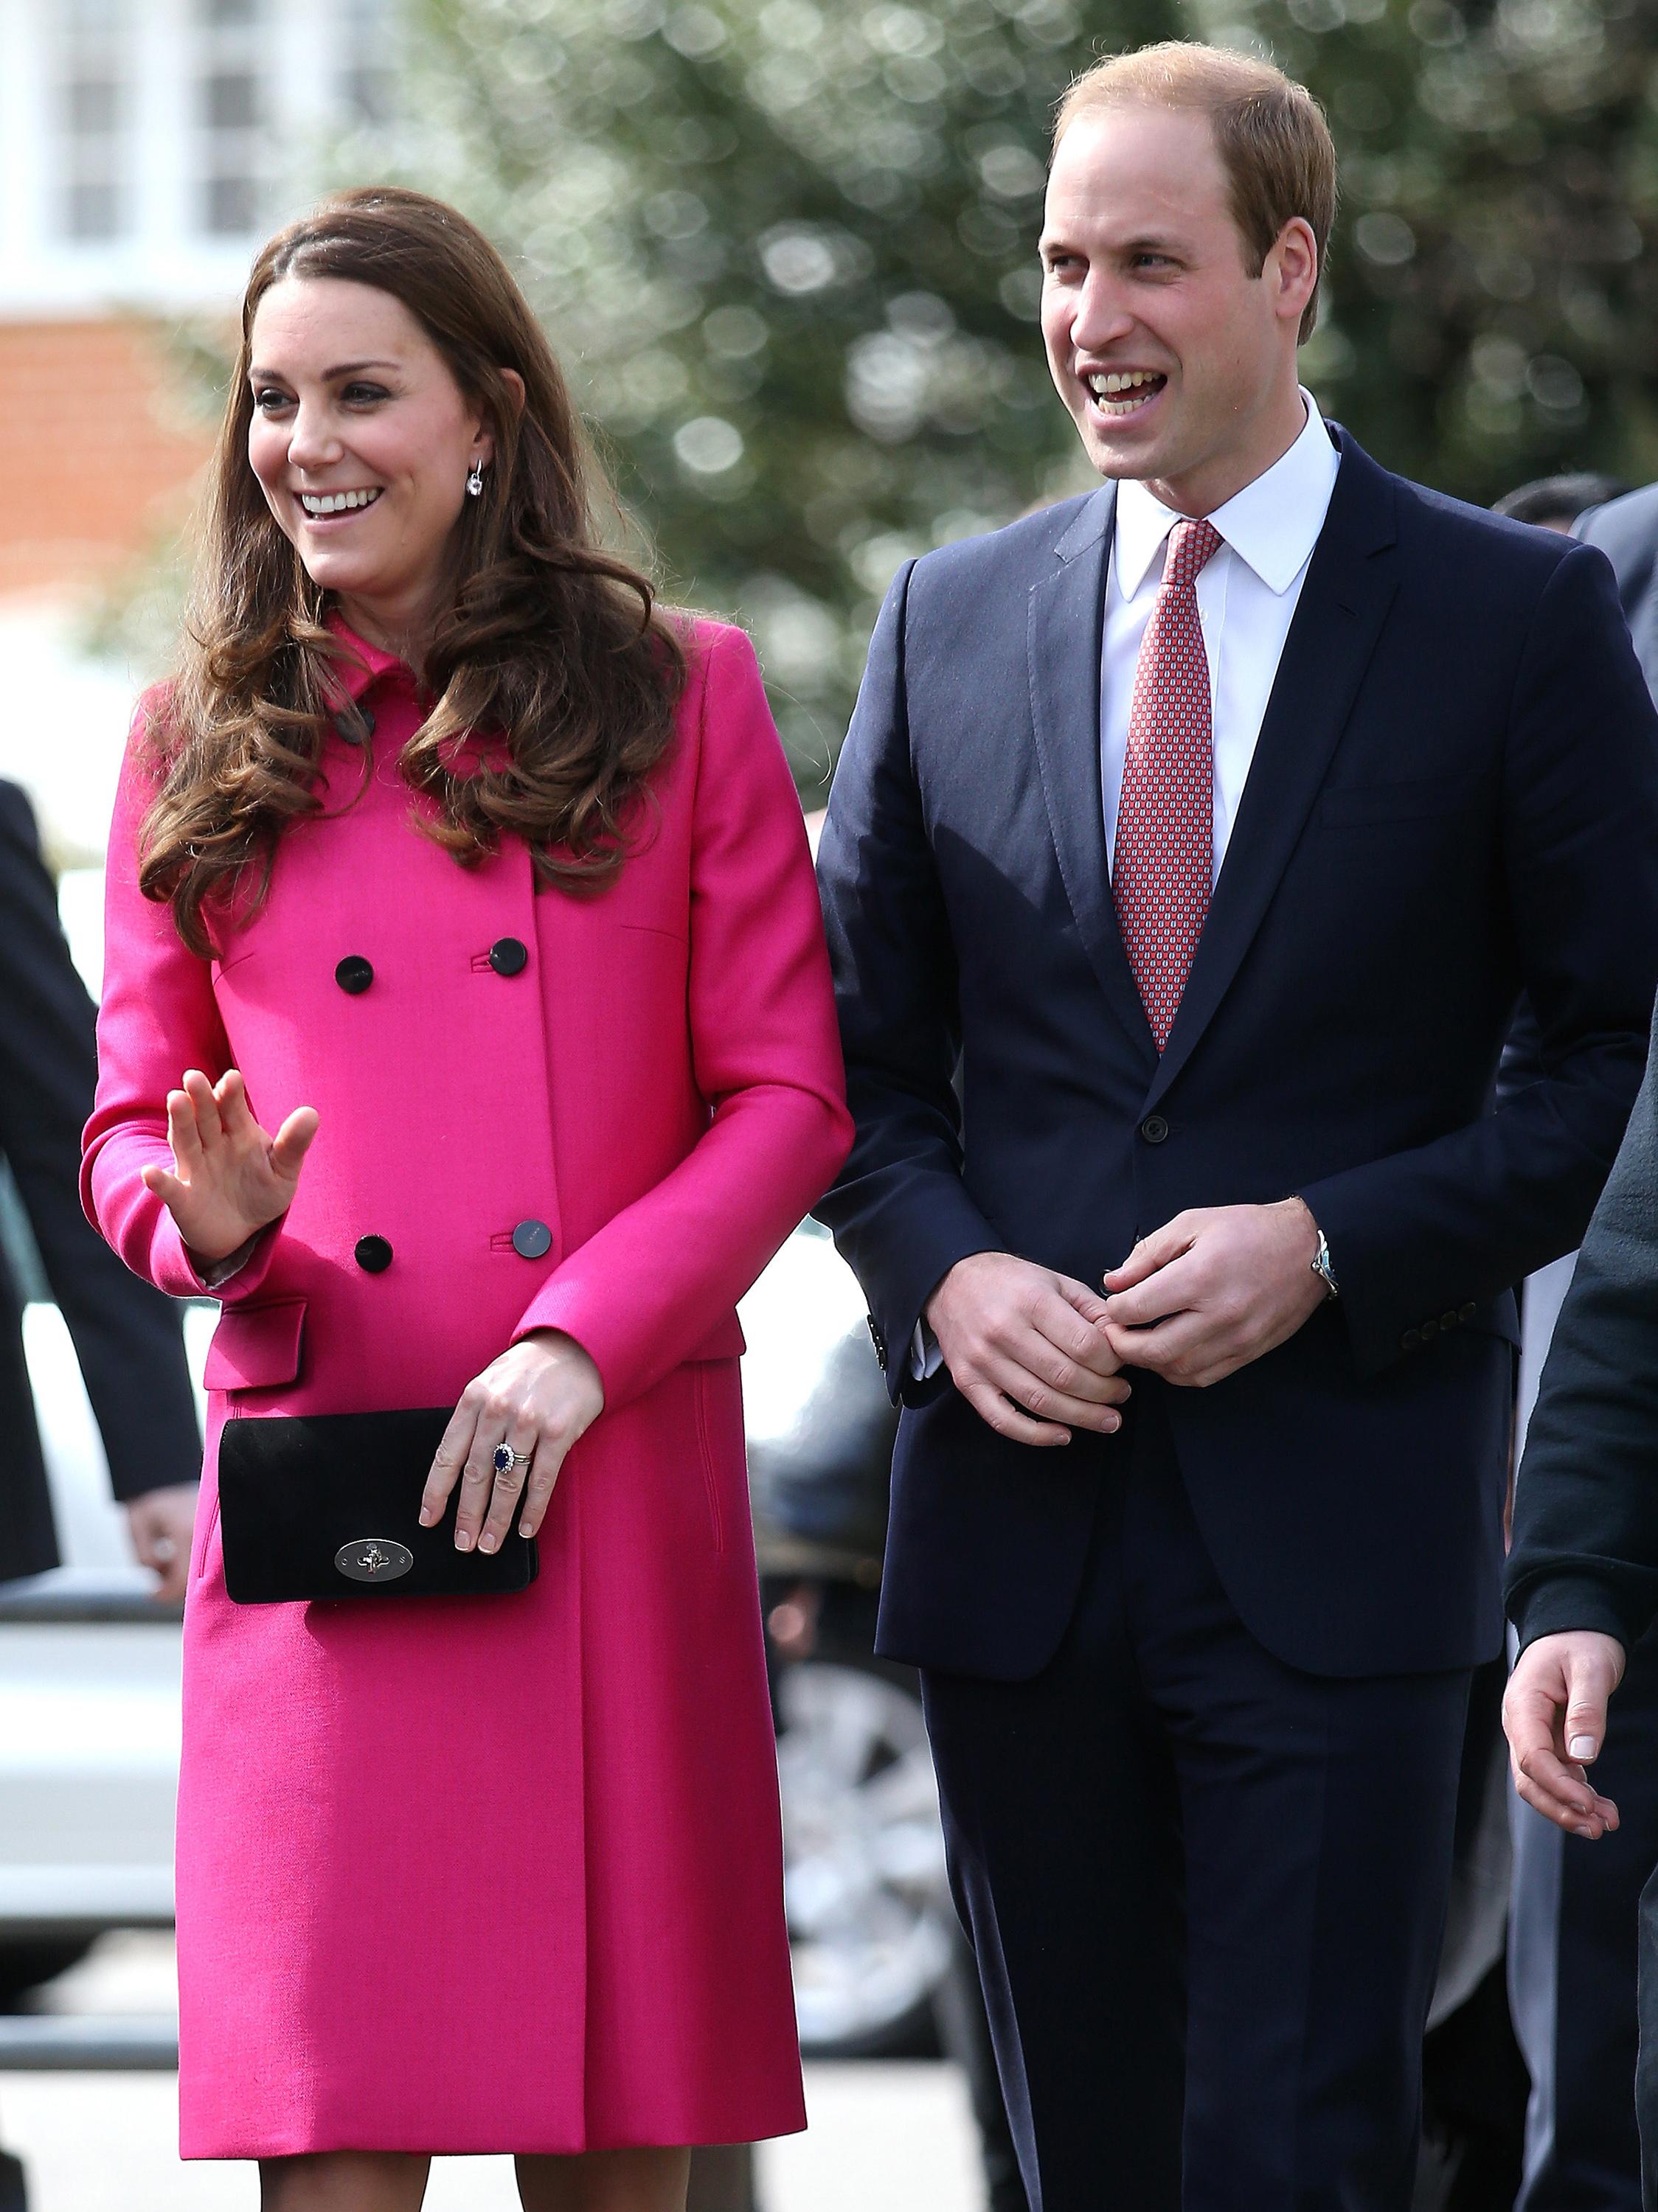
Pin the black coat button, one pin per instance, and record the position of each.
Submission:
(532, 1240)
(508, 956)
(354, 974)
(1153, 1128)
(374, 1255)
(355, 723)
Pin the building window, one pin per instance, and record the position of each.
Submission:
(231, 115)
(92, 106)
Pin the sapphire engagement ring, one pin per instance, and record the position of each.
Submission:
(504, 1459)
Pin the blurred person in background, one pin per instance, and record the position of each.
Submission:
(483, 883)
(1574, 1914)
(126, 1335)
(1214, 823)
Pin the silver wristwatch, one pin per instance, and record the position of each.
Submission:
(1320, 1266)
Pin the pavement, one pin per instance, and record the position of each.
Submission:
(884, 2136)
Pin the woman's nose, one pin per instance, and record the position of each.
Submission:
(312, 442)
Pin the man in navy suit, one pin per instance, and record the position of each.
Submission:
(1190, 847)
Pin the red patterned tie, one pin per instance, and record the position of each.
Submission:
(1164, 859)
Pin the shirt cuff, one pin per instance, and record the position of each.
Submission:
(925, 1357)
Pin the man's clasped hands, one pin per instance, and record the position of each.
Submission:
(1038, 1354)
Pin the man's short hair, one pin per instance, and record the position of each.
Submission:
(1270, 134)
(1558, 502)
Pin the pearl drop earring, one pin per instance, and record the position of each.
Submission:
(475, 481)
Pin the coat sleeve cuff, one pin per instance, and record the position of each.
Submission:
(1551, 1604)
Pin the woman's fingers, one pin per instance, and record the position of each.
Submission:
(184, 1134)
(447, 1463)
(200, 1093)
(166, 1187)
(521, 1440)
(543, 1471)
(293, 1141)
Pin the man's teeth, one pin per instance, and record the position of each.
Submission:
(1121, 390)
(337, 502)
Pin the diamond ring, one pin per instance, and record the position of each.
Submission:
(503, 1459)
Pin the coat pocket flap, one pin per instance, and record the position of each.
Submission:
(256, 1346)
(725, 1341)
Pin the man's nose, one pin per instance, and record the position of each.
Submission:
(1102, 317)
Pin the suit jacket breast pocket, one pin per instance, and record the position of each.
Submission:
(1417, 799)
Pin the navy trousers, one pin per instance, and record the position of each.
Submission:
(1206, 1892)
(1572, 1952)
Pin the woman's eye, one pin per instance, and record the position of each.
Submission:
(364, 395)
(270, 399)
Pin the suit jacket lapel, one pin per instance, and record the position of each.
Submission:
(1350, 584)
(1065, 636)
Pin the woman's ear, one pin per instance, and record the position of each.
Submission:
(484, 442)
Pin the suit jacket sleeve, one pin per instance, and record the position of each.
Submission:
(1466, 1216)
(1586, 1510)
(158, 1017)
(901, 1214)
(643, 1294)
(126, 1339)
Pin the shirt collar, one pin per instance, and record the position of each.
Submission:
(1272, 524)
(364, 664)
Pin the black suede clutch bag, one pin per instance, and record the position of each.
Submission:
(327, 1505)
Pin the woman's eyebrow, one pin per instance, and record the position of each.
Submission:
(329, 375)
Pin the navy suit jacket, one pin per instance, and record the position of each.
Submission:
(1455, 796)
(126, 1335)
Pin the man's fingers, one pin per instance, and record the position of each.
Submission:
(293, 1140)
(1032, 1395)
(1007, 1420)
(1152, 1253)
(1170, 1290)
(1082, 1300)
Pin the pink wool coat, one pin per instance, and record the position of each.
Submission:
(495, 1874)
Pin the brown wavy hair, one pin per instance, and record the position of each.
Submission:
(548, 640)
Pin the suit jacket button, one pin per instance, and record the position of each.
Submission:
(877, 1339)
(354, 974)
(374, 1255)
(508, 956)
(1450, 1320)
(1411, 1338)
(532, 1240)
(1153, 1128)
(1430, 1328)
(1469, 1311)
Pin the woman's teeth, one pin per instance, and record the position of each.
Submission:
(1124, 391)
(337, 502)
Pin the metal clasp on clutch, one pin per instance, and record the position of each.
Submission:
(374, 1560)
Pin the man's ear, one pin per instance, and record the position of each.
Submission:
(1294, 261)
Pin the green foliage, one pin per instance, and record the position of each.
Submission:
(1491, 290)
(787, 253)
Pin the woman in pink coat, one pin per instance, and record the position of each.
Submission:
(467, 1033)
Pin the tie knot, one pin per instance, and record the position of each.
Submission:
(1190, 545)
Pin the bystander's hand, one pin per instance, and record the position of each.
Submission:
(160, 1523)
(229, 1179)
(538, 1398)
(1554, 1714)
(1026, 1348)
(1213, 1289)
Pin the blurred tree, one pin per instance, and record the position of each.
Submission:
(1492, 309)
(787, 254)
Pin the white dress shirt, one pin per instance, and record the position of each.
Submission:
(1247, 593)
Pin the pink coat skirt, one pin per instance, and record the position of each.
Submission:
(495, 1875)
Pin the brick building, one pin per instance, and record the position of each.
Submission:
(146, 146)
